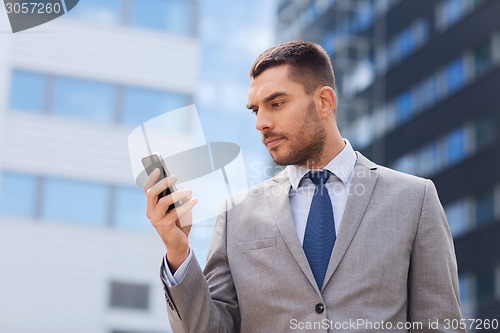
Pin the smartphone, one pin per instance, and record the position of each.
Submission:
(152, 162)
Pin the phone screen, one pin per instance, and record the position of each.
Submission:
(152, 162)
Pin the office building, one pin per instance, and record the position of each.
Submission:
(418, 91)
(77, 253)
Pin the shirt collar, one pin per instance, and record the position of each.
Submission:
(341, 166)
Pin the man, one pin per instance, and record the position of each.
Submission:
(332, 243)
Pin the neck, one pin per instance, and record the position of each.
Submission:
(331, 148)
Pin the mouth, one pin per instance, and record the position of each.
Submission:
(273, 142)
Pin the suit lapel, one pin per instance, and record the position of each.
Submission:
(360, 192)
(279, 203)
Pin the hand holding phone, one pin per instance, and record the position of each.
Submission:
(153, 162)
(173, 232)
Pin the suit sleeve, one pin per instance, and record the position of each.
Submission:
(433, 279)
(205, 301)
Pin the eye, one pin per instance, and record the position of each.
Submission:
(254, 111)
(277, 104)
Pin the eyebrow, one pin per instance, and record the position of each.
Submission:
(269, 98)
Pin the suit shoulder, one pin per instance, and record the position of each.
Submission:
(401, 177)
(260, 188)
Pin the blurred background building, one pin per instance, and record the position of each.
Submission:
(417, 89)
(77, 253)
(418, 84)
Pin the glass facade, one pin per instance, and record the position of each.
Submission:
(18, 194)
(72, 201)
(104, 12)
(485, 285)
(129, 209)
(429, 91)
(170, 16)
(455, 75)
(458, 218)
(449, 149)
(402, 45)
(472, 212)
(142, 104)
(89, 100)
(485, 207)
(27, 91)
(455, 146)
(84, 99)
(173, 16)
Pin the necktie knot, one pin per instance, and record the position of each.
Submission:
(318, 176)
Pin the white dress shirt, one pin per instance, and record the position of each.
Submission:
(338, 184)
(301, 193)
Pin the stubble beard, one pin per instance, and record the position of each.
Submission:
(307, 145)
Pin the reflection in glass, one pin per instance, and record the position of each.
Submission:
(27, 91)
(83, 99)
(75, 201)
(18, 194)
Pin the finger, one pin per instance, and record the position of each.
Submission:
(152, 193)
(161, 185)
(165, 202)
(181, 212)
(152, 179)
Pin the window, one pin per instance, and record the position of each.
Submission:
(404, 107)
(92, 100)
(450, 11)
(455, 75)
(27, 91)
(485, 132)
(457, 217)
(83, 99)
(455, 143)
(425, 93)
(485, 208)
(143, 104)
(129, 208)
(429, 159)
(405, 164)
(483, 58)
(75, 201)
(485, 285)
(129, 295)
(168, 15)
(108, 12)
(404, 43)
(18, 193)
(465, 285)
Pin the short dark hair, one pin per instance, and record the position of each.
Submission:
(309, 63)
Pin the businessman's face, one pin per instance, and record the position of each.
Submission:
(286, 117)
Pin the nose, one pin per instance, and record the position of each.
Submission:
(263, 121)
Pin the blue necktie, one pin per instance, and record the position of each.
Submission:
(320, 235)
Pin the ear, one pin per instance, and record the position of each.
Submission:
(327, 101)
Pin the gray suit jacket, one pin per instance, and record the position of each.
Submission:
(393, 263)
